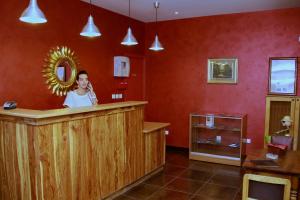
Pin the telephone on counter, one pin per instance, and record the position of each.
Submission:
(9, 105)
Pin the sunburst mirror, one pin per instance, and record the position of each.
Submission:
(60, 70)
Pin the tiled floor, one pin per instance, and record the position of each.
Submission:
(184, 179)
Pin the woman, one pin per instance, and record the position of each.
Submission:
(84, 95)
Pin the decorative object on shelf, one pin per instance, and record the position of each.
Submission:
(283, 76)
(277, 149)
(90, 29)
(234, 145)
(129, 39)
(222, 143)
(121, 66)
(60, 70)
(282, 140)
(218, 139)
(286, 121)
(33, 14)
(272, 156)
(209, 120)
(222, 70)
(156, 45)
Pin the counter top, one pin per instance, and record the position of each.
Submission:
(153, 126)
(39, 114)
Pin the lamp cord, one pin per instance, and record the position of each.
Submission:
(129, 8)
(91, 7)
(156, 5)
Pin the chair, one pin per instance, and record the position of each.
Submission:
(265, 187)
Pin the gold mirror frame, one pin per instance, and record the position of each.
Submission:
(57, 56)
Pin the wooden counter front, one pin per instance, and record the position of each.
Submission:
(86, 153)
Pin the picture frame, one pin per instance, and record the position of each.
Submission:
(282, 75)
(222, 70)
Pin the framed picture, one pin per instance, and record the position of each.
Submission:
(222, 70)
(282, 76)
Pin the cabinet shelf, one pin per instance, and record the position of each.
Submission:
(217, 138)
(210, 142)
(219, 127)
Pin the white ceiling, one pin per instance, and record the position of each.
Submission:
(143, 10)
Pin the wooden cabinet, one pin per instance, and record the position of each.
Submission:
(155, 144)
(217, 138)
(276, 108)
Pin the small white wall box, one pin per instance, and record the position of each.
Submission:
(210, 120)
(121, 66)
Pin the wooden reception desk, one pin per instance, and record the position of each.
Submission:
(84, 153)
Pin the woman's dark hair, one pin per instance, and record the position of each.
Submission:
(80, 72)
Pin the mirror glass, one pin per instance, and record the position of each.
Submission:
(63, 71)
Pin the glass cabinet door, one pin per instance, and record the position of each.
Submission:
(216, 136)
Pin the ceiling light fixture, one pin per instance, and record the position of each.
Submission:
(129, 39)
(33, 14)
(156, 45)
(90, 29)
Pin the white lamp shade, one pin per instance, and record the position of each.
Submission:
(33, 14)
(90, 29)
(156, 45)
(129, 39)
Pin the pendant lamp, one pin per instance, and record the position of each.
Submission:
(156, 45)
(129, 39)
(90, 29)
(33, 14)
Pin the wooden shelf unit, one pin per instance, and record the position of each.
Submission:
(276, 108)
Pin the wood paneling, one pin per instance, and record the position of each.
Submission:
(86, 158)
(134, 145)
(154, 149)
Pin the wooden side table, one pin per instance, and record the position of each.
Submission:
(289, 168)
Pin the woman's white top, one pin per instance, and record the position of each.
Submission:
(74, 100)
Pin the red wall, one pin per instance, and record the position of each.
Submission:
(177, 77)
(23, 48)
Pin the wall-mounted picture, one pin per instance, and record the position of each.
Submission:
(282, 76)
(222, 70)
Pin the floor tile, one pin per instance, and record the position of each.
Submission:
(123, 197)
(217, 192)
(202, 166)
(203, 197)
(160, 179)
(196, 175)
(165, 194)
(173, 170)
(142, 191)
(178, 159)
(184, 185)
(229, 170)
(224, 179)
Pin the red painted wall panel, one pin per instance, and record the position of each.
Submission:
(23, 48)
(176, 79)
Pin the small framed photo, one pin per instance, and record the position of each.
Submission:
(283, 76)
(222, 70)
